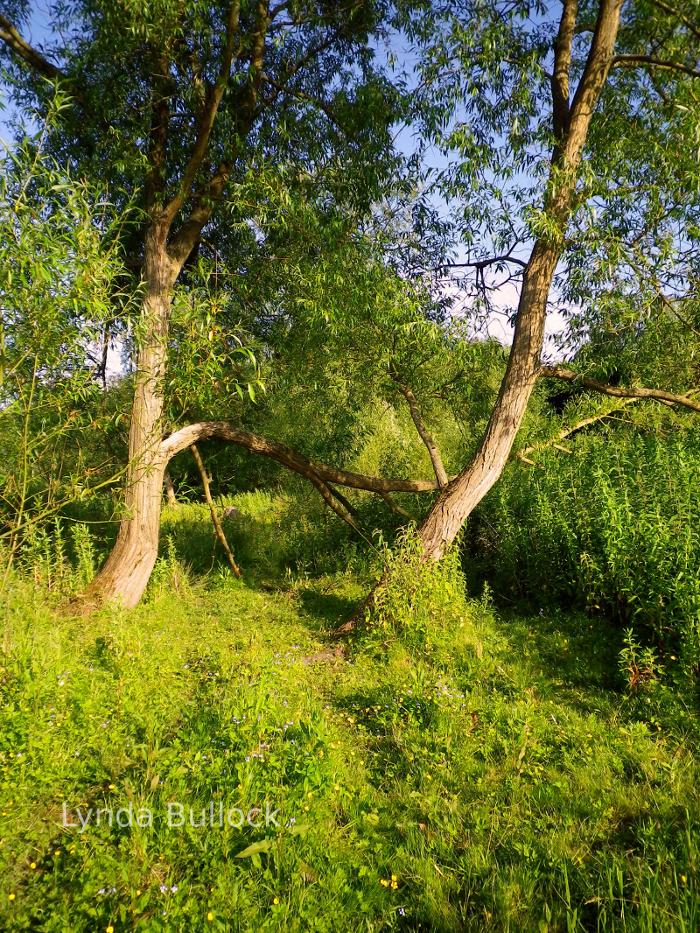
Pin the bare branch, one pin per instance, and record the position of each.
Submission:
(333, 501)
(423, 433)
(481, 264)
(287, 456)
(568, 375)
(394, 506)
(648, 61)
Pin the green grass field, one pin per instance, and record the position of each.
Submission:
(460, 770)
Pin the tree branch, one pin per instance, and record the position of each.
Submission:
(31, 56)
(321, 105)
(188, 234)
(397, 509)
(595, 73)
(292, 459)
(208, 116)
(423, 433)
(678, 14)
(212, 510)
(333, 501)
(568, 432)
(648, 61)
(481, 264)
(568, 375)
(562, 68)
(158, 132)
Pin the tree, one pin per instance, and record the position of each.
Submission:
(184, 101)
(498, 125)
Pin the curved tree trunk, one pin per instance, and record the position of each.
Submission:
(126, 572)
(464, 493)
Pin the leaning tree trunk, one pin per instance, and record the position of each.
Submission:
(125, 574)
(464, 493)
(571, 124)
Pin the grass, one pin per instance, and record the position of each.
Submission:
(457, 770)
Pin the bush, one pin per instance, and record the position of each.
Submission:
(614, 528)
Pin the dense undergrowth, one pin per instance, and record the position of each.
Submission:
(612, 528)
(451, 769)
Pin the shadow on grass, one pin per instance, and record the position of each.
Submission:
(571, 653)
(327, 610)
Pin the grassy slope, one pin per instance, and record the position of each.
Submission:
(493, 780)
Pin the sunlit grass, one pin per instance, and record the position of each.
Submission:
(462, 771)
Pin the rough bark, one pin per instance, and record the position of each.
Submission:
(125, 574)
(128, 568)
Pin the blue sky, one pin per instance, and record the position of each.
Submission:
(36, 31)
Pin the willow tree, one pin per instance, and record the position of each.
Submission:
(568, 133)
(177, 104)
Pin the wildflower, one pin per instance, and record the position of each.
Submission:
(109, 929)
(276, 900)
(683, 879)
(210, 916)
(384, 883)
(112, 787)
(12, 897)
(174, 888)
(33, 865)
